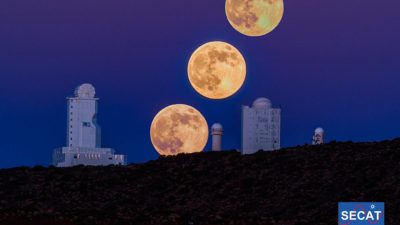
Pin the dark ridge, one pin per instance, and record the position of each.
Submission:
(300, 185)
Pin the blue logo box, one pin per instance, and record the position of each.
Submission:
(361, 213)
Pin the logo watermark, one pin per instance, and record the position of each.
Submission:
(361, 213)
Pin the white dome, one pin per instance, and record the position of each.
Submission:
(262, 103)
(216, 126)
(85, 91)
(319, 130)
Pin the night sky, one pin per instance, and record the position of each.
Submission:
(333, 64)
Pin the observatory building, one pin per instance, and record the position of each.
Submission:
(261, 127)
(216, 133)
(84, 134)
(318, 137)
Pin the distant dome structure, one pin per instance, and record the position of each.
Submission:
(318, 137)
(262, 103)
(85, 91)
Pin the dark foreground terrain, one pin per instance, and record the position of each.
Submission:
(301, 185)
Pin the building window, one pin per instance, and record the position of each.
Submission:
(86, 124)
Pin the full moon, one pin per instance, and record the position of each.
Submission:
(217, 70)
(254, 17)
(179, 129)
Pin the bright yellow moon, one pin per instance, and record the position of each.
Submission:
(217, 70)
(179, 129)
(254, 17)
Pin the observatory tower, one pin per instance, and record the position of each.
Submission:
(318, 137)
(216, 132)
(261, 127)
(84, 133)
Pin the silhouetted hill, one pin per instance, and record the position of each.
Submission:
(301, 185)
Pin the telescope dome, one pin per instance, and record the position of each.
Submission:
(262, 103)
(85, 91)
(216, 126)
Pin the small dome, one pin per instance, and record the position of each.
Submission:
(319, 130)
(262, 103)
(85, 91)
(216, 126)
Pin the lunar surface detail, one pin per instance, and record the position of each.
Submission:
(179, 129)
(217, 70)
(254, 17)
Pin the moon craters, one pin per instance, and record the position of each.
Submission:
(254, 17)
(216, 70)
(179, 129)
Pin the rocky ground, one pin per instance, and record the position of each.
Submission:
(300, 185)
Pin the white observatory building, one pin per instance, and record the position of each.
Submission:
(318, 137)
(261, 127)
(84, 134)
(216, 133)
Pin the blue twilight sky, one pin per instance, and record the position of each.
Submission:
(333, 64)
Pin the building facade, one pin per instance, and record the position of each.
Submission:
(84, 134)
(216, 133)
(261, 126)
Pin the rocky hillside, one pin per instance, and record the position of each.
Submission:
(300, 185)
